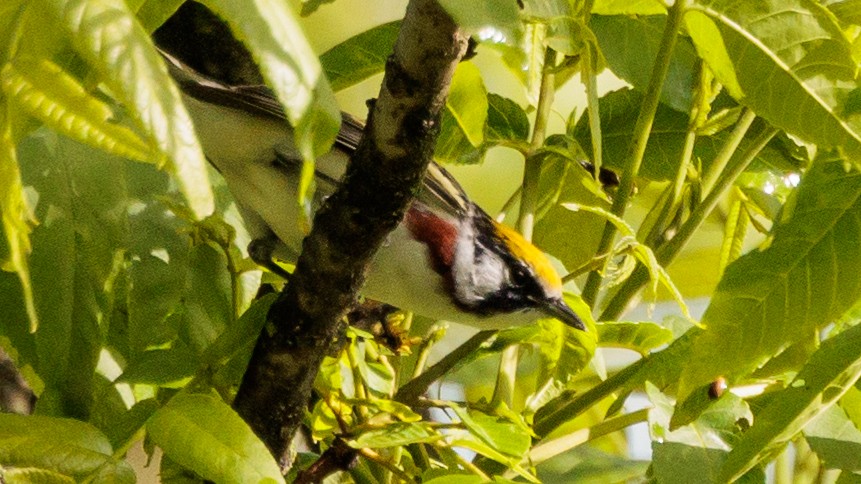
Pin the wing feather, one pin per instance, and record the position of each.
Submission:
(440, 190)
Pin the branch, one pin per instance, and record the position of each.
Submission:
(386, 171)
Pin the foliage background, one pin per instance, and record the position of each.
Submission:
(130, 315)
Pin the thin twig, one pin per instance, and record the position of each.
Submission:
(641, 137)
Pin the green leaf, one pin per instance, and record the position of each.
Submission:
(835, 439)
(57, 99)
(170, 368)
(502, 435)
(289, 65)
(467, 102)
(64, 446)
(847, 477)
(208, 301)
(360, 56)
(124, 427)
(641, 337)
(641, 252)
(563, 180)
(396, 434)
(769, 299)
(9, 17)
(483, 18)
(794, 44)
(693, 453)
(506, 121)
(735, 229)
(829, 373)
(630, 45)
(204, 434)
(153, 13)
(16, 216)
(158, 251)
(311, 6)
(82, 205)
(565, 351)
(31, 475)
(455, 479)
(452, 144)
(628, 7)
(396, 409)
(240, 336)
(108, 36)
(847, 11)
(664, 149)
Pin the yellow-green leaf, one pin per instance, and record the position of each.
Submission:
(57, 99)
(15, 215)
(107, 35)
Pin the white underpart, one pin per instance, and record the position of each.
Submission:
(243, 148)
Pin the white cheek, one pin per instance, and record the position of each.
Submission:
(475, 279)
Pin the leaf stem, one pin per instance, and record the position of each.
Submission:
(590, 77)
(668, 251)
(415, 388)
(641, 137)
(727, 150)
(551, 448)
(699, 105)
(506, 377)
(547, 422)
(383, 462)
(532, 169)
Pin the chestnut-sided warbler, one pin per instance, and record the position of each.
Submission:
(446, 260)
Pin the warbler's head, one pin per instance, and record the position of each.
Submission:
(495, 270)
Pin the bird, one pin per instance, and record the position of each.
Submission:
(447, 260)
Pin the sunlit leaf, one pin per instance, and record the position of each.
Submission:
(360, 56)
(500, 434)
(467, 102)
(56, 98)
(63, 446)
(205, 435)
(628, 7)
(772, 298)
(847, 11)
(835, 439)
(694, 453)
(16, 215)
(396, 434)
(396, 409)
(641, 337)
(483, 17)
(108, 36)
(31, 475)
(802, 52)
(829, 373)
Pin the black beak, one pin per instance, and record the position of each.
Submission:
(559, 310)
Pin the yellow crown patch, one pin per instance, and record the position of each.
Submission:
(527, 252)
